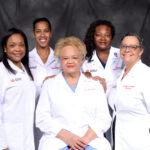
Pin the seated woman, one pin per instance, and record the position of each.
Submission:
(72, 111)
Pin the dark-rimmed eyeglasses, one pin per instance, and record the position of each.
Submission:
(130, 47)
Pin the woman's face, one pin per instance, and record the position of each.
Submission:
(71, 59)
(42, 34)
(15, 48)
(102, 37)
(130, 51)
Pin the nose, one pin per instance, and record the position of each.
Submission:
(18, 48)
(127, 49)
(102, 37)
(42, 33)
(70, 60)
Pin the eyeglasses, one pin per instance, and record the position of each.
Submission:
(130, 47)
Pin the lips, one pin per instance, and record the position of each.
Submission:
(70, 66)
(18, 55)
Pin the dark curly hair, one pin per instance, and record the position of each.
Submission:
(89, 37)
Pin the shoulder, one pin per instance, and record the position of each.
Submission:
(32, 52)
(144, 69)
(86, 62)
(115, 50)
(3, 71)
(2, 68)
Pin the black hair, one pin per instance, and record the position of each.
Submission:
(140, 39)
(41, 19)
(25, 59)
(89, 37)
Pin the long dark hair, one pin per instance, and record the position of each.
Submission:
(89, 37)
(25, 59)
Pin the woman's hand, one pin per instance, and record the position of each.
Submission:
(74, 141)
(102, 81)
(87, 74)
(89, 136)
(6, 149)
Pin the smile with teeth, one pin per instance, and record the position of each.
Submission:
(102, 43)
(42, 40)
(18, 54)
(127, 54)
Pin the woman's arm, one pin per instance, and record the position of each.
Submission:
(89, 136)
(44, 121)
(3, 141)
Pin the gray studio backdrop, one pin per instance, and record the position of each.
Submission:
(72, 17)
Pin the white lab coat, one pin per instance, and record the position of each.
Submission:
(112, 69)
(40, 70)
(131, 97)
(60, 108)
(17, 101)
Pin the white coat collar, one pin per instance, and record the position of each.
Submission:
(34, 55)
(114, 55)
(62, 82)
(14, 67)
(134, 70)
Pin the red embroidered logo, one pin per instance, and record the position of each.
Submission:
(12, 80)
(128, 86)
(113, 86)
(87, 71)
(90, 89)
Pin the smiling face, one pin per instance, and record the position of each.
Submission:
(102, 37)
(131, 53)
(15, 48)
(42, 34)
(71, 59)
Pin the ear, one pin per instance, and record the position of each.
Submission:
(5, 49)
(141, 52)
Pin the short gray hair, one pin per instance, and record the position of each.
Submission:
(74, 41)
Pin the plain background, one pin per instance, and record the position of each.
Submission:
(73, 17)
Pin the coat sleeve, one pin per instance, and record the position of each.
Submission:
(145, 90)
(102, 120)
(3, 140)
(44, 120)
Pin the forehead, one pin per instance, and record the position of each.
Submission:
(131, 40)
(69, 49)
(41, 24)
(103, 28)
(15, 38)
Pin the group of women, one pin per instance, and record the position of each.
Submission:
(72, 87)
